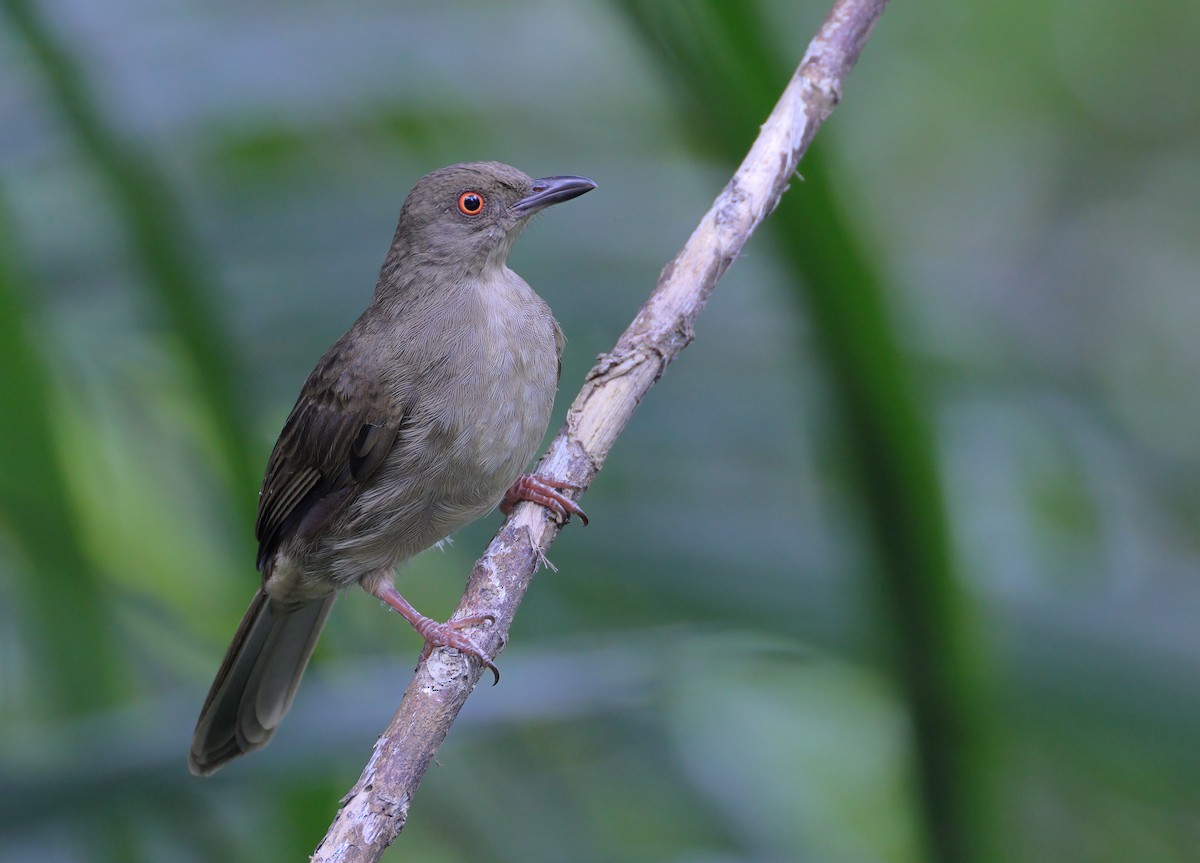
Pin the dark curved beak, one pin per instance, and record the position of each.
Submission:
(551, 190)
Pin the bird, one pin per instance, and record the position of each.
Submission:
(419, 420)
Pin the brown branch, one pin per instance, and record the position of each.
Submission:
(376, 809)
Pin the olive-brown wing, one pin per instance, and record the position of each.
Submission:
(336, 437)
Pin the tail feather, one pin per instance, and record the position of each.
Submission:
(257, 680)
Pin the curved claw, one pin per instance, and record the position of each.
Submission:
(543, 490)
(436, 634)
(447, 635)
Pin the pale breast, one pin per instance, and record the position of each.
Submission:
(474, 426)
(514, 383)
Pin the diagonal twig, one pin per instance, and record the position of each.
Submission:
(375, 810)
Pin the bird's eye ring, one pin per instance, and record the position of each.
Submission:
(470, 203)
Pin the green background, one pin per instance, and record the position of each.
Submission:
(899, 562)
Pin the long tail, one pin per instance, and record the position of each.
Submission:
(257, 680)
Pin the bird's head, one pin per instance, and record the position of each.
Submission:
(468, 215)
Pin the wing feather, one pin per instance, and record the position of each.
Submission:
(337, 436)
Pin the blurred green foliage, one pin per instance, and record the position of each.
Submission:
(938, 429)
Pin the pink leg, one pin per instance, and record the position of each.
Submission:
(542, 489)
(435, 634)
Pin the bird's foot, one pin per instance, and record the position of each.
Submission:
(545, 491)
(449, 634)
(435, 633)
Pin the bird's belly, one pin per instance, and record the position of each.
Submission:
(445, 472)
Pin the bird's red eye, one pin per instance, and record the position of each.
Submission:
(470, 203)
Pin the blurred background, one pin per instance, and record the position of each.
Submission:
(897, 563)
